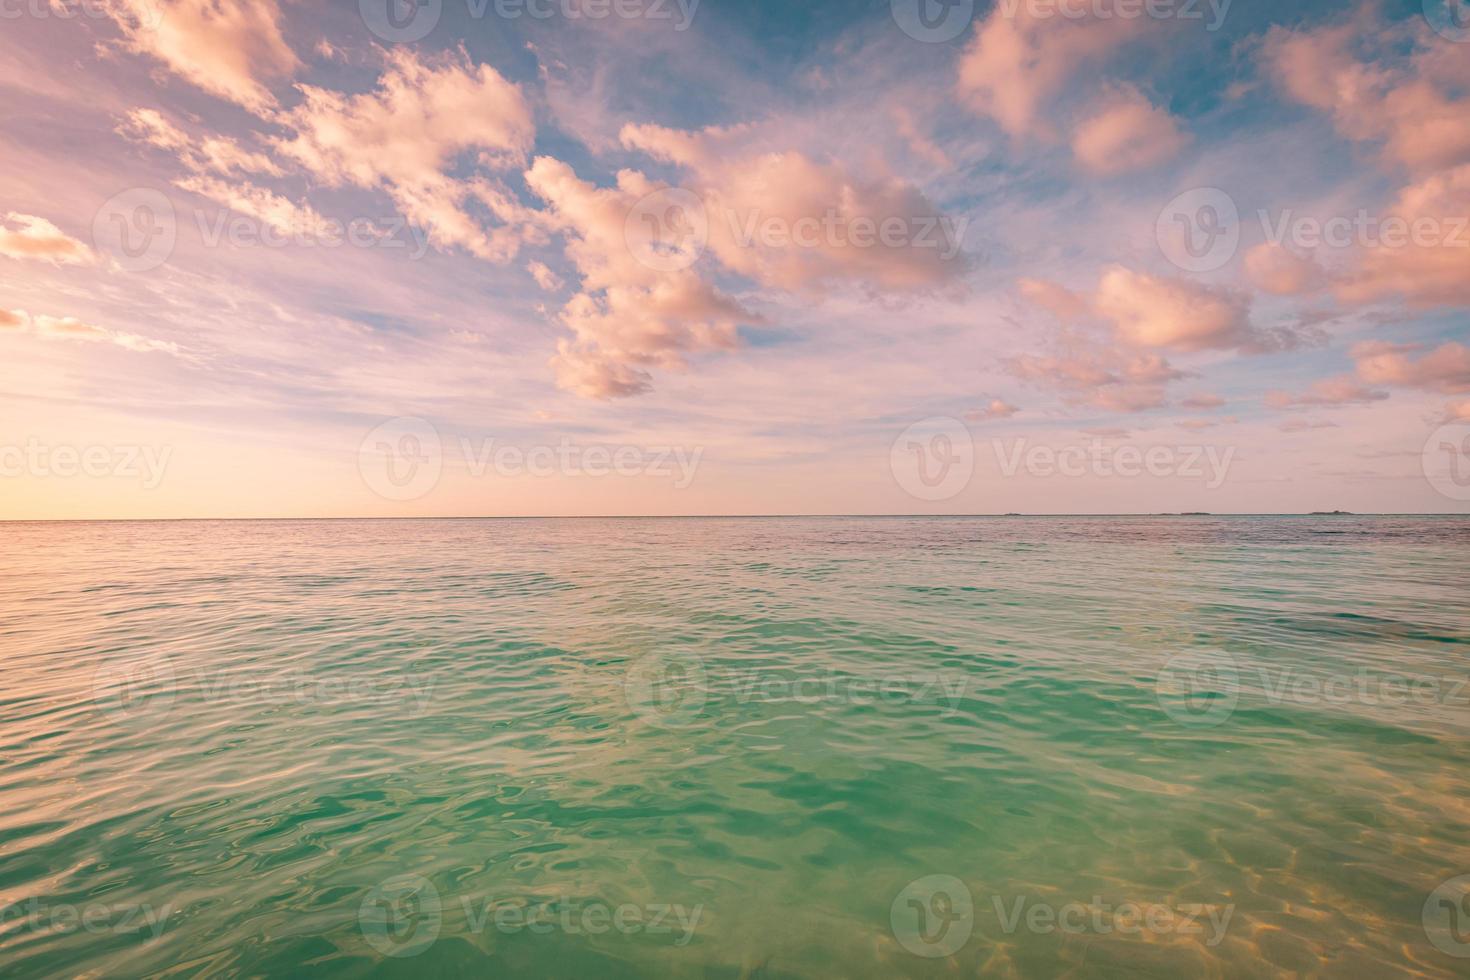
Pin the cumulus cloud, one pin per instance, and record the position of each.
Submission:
(229, 48)
(627, 316)
(1429, 262)
(1203, 400)
(1444, 369)
(1098, 375)
(1178, 314)
(1327, 392)
(1017, 62)
(1166, 313)
(1401, 88)
(1276, 269)
(404, 137)
(787, 220)
(997, 409)
(26, 236)
(1412, 104)
(1126, 132)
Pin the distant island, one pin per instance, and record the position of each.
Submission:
(1331, 513)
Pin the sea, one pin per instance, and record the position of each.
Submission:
(1173, 746)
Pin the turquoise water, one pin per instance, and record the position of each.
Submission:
(776, 748)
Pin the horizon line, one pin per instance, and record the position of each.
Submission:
(704, 517)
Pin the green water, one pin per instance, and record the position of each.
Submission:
(1234, 747)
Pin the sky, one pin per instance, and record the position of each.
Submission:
(277, 258)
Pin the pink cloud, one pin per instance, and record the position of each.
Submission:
(1445, 369)
(1203, 400)
(997, 409)
(1126, 133)
(1408, 104)
(627, 316)
(229, 48)
(1428, 263)
(37, 238)
(1329, 391)
(1017, 63)
(71, 328)
(404, 136)
(796, 223)
(219, 154)
(1099, 376)
(1057, 300)
(1276, 269)
(1177, 314)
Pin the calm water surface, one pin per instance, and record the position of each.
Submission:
(765, 748)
